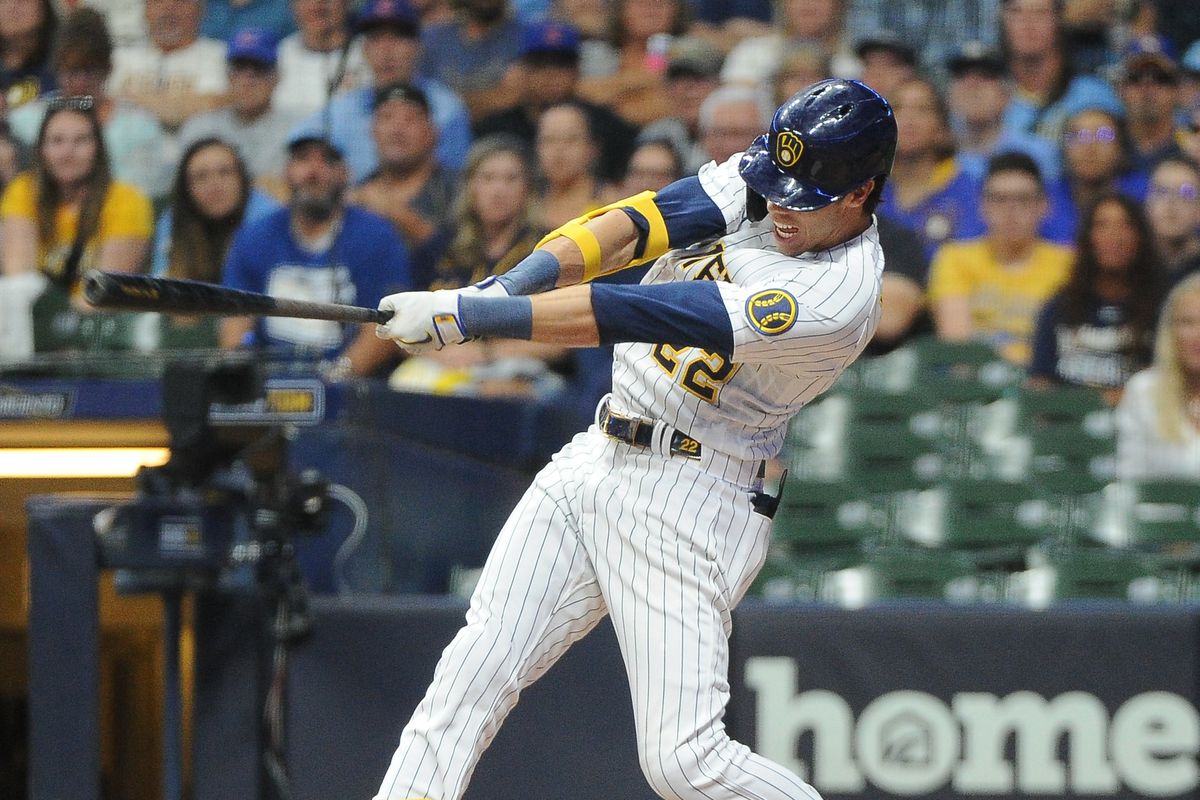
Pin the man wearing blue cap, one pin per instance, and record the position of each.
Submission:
(549, 75)
(250, 122)
(391, 43)
(1149, 88)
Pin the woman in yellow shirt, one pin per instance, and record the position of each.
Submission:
(67, 215)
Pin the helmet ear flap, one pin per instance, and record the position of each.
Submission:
(756, 205)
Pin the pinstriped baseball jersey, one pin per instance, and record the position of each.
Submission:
(663, 542)
(798, 321)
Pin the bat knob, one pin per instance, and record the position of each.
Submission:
(95, 286)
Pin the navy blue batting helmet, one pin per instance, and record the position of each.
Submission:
(825, 142)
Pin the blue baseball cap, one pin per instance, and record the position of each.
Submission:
(398, 15)
(1149, 49)
(550, 37)
(252, 44)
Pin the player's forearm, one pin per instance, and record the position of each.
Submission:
(565, 317)
(617, 237)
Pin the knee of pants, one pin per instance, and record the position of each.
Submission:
(687, 770)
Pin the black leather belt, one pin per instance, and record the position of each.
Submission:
(640, 432)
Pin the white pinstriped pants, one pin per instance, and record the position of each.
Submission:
(666, 547)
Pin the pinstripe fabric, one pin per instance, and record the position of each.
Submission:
(665, 545)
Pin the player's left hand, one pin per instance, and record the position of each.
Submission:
(423, 321)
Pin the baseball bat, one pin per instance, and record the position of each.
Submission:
(118, 290)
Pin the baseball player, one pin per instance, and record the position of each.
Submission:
(764, 285)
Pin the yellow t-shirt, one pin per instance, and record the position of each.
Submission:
(126, 213)
(1004, 300)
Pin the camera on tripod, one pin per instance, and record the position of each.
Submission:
(224, 510)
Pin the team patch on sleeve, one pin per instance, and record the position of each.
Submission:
(771, 312)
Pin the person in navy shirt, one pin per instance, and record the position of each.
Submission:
(317, 249)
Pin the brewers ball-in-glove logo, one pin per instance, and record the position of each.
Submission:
(772, 311)
(788, 147)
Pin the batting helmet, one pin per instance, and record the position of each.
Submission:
(825, 142)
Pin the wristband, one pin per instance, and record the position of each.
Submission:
(496, 317)
(537, 272)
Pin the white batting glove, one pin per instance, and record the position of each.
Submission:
(489, 287)
(422, 321)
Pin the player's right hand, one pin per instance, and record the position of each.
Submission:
(489, 287)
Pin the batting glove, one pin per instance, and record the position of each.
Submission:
(423, 320)
(489, 287)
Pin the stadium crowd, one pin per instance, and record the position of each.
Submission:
(1044, 196)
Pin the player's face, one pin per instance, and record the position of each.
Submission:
(498, 189)
(214, 181)
(799, 232)
(1187, 333)
(1173, 202)
(69, 148)
(1113, 238)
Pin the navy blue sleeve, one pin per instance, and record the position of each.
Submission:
(689, 213)
(685, 314)
(1044, 360)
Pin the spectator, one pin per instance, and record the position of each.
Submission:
(12, 156)
(126, 19)
(27, 29)
(1158, 419)
(224, 18)
(1173, 206)
(176, 73)
(549, 74)
(693, 73)
(801, 66)
(410, 187)
(390, 34)
(1099, 329)
(1149, 87)
(991, 289)
(317, 249)
(1189, 78)
(631, 83)
(567, 156)
(928, 192)
(1189, 135)
(817, 23)
(211, 197)
(654, 164)
(485, 42)
(979, 93)
(213, 193)
(905, 314)
(731, 118)
(1048, 90)
(933, 28)
(319, 58)
(1096, 159)
(251, 120)
(139, 152)
(886, 62)
(495, 220)
(67, 215)
(493, 227)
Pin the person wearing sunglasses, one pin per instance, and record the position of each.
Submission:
(1173, 207)
(1149, 87)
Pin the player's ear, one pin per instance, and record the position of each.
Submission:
(858, 197)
